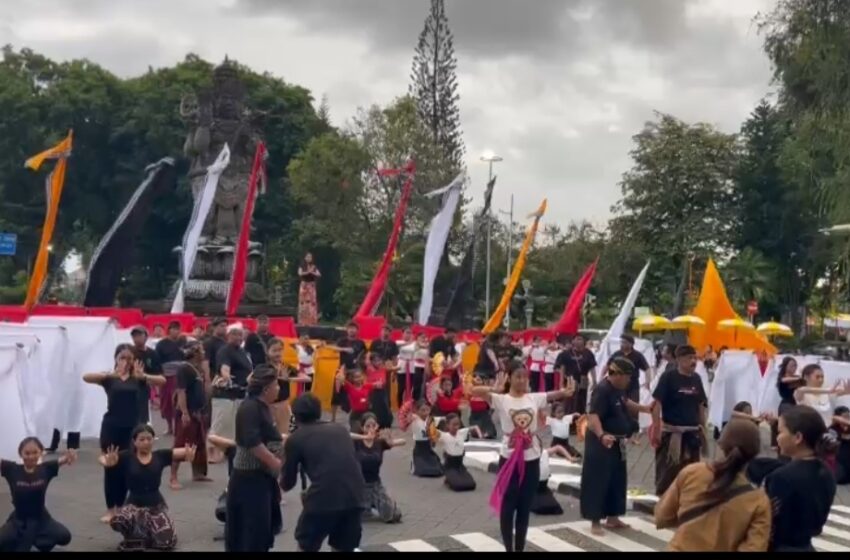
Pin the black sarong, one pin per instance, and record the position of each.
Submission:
(666, 470)
(544, 502)
(457, 477)
(426, 463)
(42, 532)
(484, 421)
(603, 480)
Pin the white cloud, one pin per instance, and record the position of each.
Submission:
(557, 87)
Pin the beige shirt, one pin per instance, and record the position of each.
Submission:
(742, 524)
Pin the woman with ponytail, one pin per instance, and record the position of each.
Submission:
(517, 412)
(802, 490)
(712, 505)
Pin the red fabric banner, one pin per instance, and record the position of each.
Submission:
(569, 321)
(240, 257)
(379, 283)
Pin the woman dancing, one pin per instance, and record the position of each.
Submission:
(30, 525)
(358, 393)
(457, 478)
(480, 414)
(193, 384)
(425, 463)
(253, 491)
(517, 411)
(281, 409)
(369, 447)
(143, 521)
(123, 387)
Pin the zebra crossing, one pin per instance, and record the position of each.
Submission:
(575, 536)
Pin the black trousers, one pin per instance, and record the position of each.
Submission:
(516, 506)
(73, 440)
(249, 524)
(114, 482)
(21, 535)
(416, 379)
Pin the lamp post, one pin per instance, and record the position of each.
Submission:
(490, 158)
(510, 215)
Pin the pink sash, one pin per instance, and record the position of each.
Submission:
(521, 441)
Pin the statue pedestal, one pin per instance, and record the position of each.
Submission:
(209, 280)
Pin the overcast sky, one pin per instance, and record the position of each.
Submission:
(556, 87)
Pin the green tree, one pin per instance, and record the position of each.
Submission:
(678, 198)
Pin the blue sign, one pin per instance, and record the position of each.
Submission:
(8, 244)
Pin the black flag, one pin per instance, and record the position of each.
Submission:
(114, 252)
(458, 301)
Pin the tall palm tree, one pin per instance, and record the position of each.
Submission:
(750, 277)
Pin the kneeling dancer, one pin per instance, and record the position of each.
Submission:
(458, 478)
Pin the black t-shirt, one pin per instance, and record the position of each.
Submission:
(576, 364)
(639, 362)
(168, 350)
(485, 366)
(444, 345)
(150, 360)
(28, 489)
(507, 353)
(386, 349)
(188, 379)
(681, 397)
(255, 424)
(238, 361)
(123, 400)
(143, 480)
(211, 348)
(370, 459)
(255, 345)
(801, 493)
(609, 403)
(326, 454)
(352, 359)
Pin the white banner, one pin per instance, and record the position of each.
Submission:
(196, 224)
(441, 225)
(619, 325)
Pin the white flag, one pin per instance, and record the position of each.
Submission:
(196, 224)
(437, 236)
(619, 324)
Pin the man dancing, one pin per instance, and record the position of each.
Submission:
(678, 419)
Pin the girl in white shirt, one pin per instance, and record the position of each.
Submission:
(517, 412)
(410, 383)
(425, 463)
(536, 359)
(559, 423)
(458, 478)
(814, 395)
(306, 358)
(553, 350)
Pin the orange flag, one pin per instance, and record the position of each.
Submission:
(496, 319)
(55, 182)
(713, 307)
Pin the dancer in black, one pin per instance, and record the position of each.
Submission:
(425, 463)
(122, 387)
(30, 525)
(370, 446)
(334, 502)
(190, 399)
(680, 402)
(453, 439)
(253, 492)
(603, 474)
(256, 343)
(144, 521)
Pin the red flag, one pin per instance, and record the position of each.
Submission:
(379, 283)
(569, 321)
(240, 257)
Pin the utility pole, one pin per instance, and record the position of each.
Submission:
(490, 158)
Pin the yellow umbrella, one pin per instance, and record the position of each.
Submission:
(685, 322)
(736, 324)
(651, 323)
(775, 329)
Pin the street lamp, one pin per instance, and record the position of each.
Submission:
(510, 215)
(490, 158)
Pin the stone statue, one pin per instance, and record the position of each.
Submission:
(217, 117)
(214, 117)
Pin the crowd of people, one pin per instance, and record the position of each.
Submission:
(227, 397)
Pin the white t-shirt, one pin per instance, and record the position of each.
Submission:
(305, 360)
(453, 445)
(560, 427)
(405, 356)
(537, 356)
(824, 404)
(519, 413)
(545, 472)
(421, 356)
(418, 426)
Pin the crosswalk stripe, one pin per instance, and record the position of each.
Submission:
(484, 443)
(415, 545)
(549, 543)
(832, 532)
(838, 520)
(479, 542)
(822, 545)
(557, 479)
(610, 538)
(638, 524)
(842, 509)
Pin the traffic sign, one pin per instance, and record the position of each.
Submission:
(752, 308)
(8, 244)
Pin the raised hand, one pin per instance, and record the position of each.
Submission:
(110, 458)
(138, 369)
(69, 458)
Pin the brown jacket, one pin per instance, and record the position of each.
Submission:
(740, 525)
